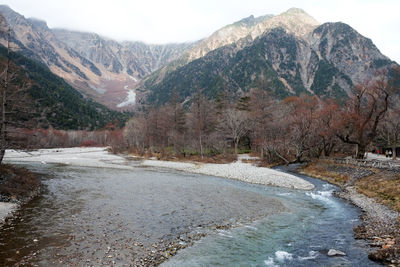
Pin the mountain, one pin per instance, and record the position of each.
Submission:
(47, 100)
(100, 68)
(293, 56)
(294, 20)
(287, 54)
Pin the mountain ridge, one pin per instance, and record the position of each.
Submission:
(299, 55)
(106, 82)
(327, 62)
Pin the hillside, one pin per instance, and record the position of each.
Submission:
(50, 101)
(287, 54)
(101, 69)
(327, 61)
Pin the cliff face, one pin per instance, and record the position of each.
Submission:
(136, 59)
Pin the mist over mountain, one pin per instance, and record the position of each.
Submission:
(287, 54)
(100, 68)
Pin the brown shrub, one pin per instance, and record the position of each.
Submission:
(17, 183)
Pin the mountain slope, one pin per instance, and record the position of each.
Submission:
(294, 20)
(101, 69)
(51, 101)
(327, 61)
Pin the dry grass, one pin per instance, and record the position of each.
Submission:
(252, 161)
(17, 183)
(384, 187)
(219, 159)
(319, 170)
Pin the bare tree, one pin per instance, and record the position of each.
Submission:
(235, 124)
(4, 88)
(201, 121)
(389, 131)
(363, 112)
(326, 121)
(5, 77)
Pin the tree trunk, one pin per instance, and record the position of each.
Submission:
(360, 151)
(394, 152)
(3, 104)
(201, 146)
(236, 147)
(2, 152)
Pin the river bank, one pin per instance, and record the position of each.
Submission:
(376, 192)
(121, 214)
(17, 186)
(205, 210)
(100, 157)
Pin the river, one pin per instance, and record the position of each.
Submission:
(103, 216)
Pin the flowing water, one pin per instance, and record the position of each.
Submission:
(100, 216)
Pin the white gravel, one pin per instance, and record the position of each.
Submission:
(99, 157)
(6, 209)
(238, 170)
(77, 156)
(370, 206)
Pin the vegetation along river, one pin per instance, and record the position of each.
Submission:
(103, 216)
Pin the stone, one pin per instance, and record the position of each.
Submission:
(333, 252)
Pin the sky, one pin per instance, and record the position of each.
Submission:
(171, 21)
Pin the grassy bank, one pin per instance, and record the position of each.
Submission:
(380, 184)
(383, 186)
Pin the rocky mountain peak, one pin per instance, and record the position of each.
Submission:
(294, 20)
(296, 11)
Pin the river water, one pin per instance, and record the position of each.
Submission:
(102, 216)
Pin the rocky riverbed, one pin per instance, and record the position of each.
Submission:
(100, 209)
(120, 212)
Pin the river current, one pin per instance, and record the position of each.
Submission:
(102, 216)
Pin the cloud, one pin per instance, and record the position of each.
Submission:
(163, 21)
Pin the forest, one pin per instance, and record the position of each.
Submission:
(295, 129)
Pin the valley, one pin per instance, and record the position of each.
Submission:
(127, 153)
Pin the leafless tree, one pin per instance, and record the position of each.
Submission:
(389, 131)
(12, 97)
(235, 124)
(363, 112)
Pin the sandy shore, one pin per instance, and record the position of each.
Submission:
(100, 157)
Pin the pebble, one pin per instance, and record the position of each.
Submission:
(238, 171)
(333, 252)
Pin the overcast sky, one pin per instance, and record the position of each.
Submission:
(165, 21)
